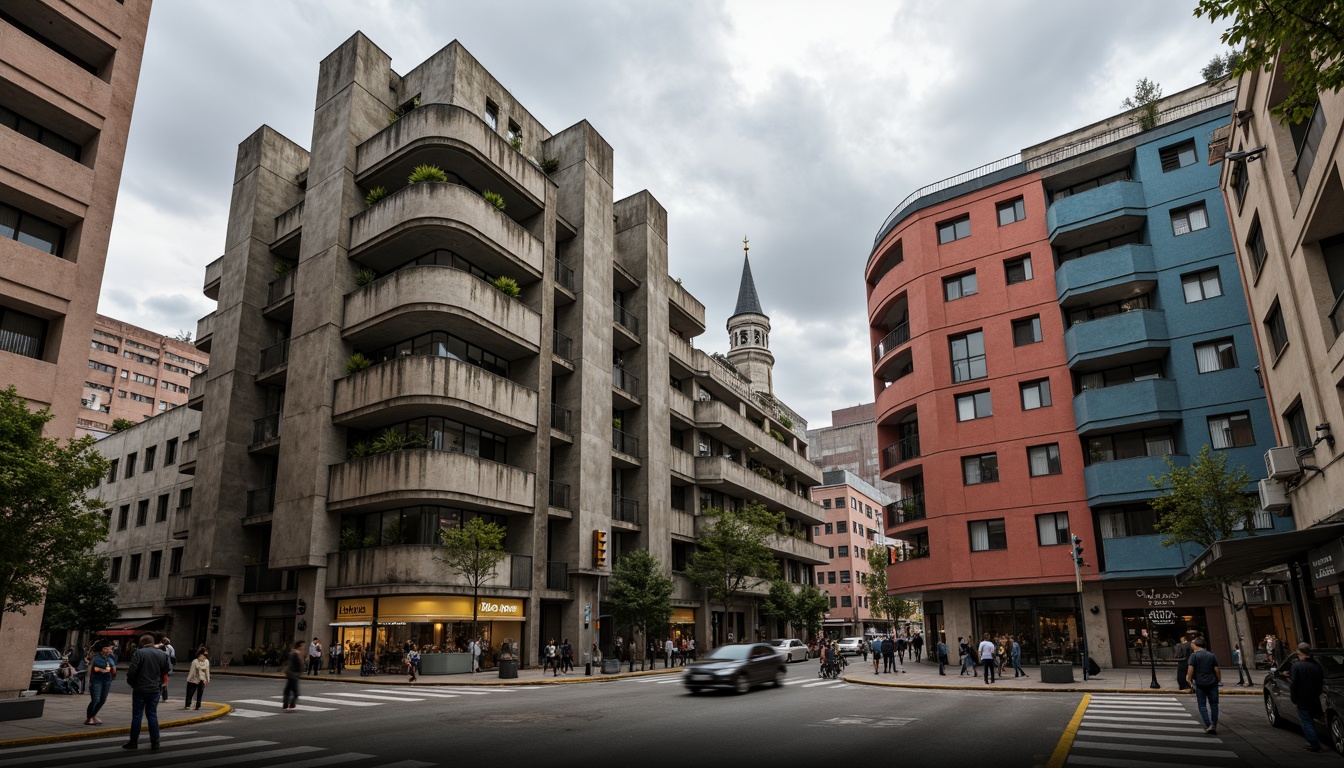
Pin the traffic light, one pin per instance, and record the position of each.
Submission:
(599, 549)
(1078, 551)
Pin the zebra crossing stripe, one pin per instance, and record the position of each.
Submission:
(269, 756)
(1173, 728)
(1115, 762)
(1085, 731)
(101, 750)
(320, 762)
(248, 713)
(1109, 747)
(379, 697)
(277, 704)
(417, 693)
(321, 700)
(87, 743)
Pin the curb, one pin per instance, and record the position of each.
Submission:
(466, 683)
(223, 710)
(1020, 689)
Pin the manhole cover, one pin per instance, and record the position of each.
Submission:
(512, 718)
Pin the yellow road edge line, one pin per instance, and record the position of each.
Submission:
(56, 738)
(1061, 752)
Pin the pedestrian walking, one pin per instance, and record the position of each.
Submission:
(876, 648)
(1205, 677)
(145, 674)
(1306, 682)
(902, 645)
(551, 659)
(888, 654)
(1182, 654)
(335, 657)
(476, 655)
(413, 663)
(964, 656)
(987, 658)
(567, 657)
(293, 670)
(314, 656)
(1236, 662)
(101, 668)
(667, 652)
(917, 646)
(690, 648)
(1015, 653)
(198, 676)
(942, 654)
(167, 646)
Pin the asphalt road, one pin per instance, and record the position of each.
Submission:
(653, 721)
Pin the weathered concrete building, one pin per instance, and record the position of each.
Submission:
(376, 379)
(133, 374)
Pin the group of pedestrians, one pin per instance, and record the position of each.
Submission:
(889, 652)
(558, 658)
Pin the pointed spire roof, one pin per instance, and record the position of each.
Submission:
(747, 301)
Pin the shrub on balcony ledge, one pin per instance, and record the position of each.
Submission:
(494, 198)
(357, 363)
(507, 285)
(365, 276)
(777, 435)
(283, 268)
(549, 165)
(426, 173)
(374, 195)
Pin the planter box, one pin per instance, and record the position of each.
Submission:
(445, 663)
(22, 708)
(1056, 673)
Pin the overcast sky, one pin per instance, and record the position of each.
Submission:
(798, 124)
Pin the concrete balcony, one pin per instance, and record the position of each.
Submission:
(414, 300)
(727, 424)
(1096, 214)
(682, 465)
(205, 332)
(287, 224)
(181, 522)
(214, 272)
(1114, 482)
(794, 548)
(430, 215)
(681, 406)
(1134, 405)
(1132, 556)
(420, 385)
(186, 456)
(1106, 276)
(1118, 339)
(410, 568)
(687, 313)
(430, 477)
(687, 360)
(196, 390)
(456, 140)
(730, 477)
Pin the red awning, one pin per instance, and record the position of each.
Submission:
(129, 627)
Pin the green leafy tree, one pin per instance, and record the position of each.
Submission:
(1146, 96)
(781, 603)
(47, 520)
(1203, 503)
(1307, 35)
(731, 553)
(1220, 67)
(475, 551)
(640, 594)
(811, 605)
(880, 599)
(120, 424)
(80, 598)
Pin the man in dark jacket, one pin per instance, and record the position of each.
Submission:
(1183, 663)
(146, 672)
(1306, 681)
(916, 645)
(888, 655)
(293, 669)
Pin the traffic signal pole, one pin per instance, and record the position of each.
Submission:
(1082, 609)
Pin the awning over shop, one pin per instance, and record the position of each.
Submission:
(1230, 558)
(129, 627)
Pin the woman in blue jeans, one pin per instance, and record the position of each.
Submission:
(100, 681)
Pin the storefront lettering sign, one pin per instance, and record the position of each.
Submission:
(1327, 564)
(500, 608)
(353, 610)
(1158, 599)
(1162, 617)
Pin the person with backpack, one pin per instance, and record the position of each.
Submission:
(145, 675)
(293, 670)
(567, 656)
(1203, 674)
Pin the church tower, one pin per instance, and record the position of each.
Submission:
(749, 333)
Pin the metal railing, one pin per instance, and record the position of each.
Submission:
(624, 443)
(562, 346)
(902, 450)
(520, 572)
(626, 319)
(564, 274)
(281, 287)
(274, 356)
(557, 576)
(1306, 152)
(261, 501)
(898, 336)
(266, 428)
(906, 510)
(559, 418)
(625, 380)
(259, 578)
(559, 495)
(625, 510)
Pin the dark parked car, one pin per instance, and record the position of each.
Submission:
(1281, 712)
(738, 666)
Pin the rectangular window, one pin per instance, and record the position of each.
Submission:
(1110, 309)
(1035, 394)
(980, 469)
(987, 535)
(1158, 441)
(123, 516)
(825, 503)
(142, 512)
(1044, 460)
(842, 551)
(491, 115)
(149, 457)
(22, 333)
(134, 573)
(112, 471)
(97, 366)
(1232, 430)
(1052, 528)
(829, 529)
(845, 600)
(1027, 331)
(1177, 156)
(170, 452)
(184, 498)
(1011, 211)
(155, 563)
(1123, 374)
(115, 576)
(1018, 270)
(1240, 182)
(1201, 285)
(839, 502)
(1083, 186)
(1129, 238)
(1215, 356)
(1129, 520)
(968, 356)
(842, 526)
(1295, 419)
(833, 603)
(830, 577)
(175, 561)
(1255, 247)
(161, 511)
(1190, 219)
(130, 465)
(959, 286)
(31, 230)
(1278, 332)
(956, 229)
(41, 134)
(974, 405)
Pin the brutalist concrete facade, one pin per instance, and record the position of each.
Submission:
(549, 412)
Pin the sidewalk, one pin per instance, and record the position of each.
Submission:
(1124, 679)
(63, 719)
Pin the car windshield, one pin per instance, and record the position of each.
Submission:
(47, 654)
(729, 653)
(779, 643)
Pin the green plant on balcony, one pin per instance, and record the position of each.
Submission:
(374, 195)
(761, 470)
(365, 276)
(780, 481)
(358, 450)
(615, 423)
(390, 440)
(357, 363)
(423, 173)
(786, 421)
(517, 141)
(549, 165)
(494, 198)
(394, 534)
(283, 267)
(507, 285)
(777, 435)
(350, 539)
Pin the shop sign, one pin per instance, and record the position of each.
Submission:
(1161, 617)
(1159, 598)
(683, 616)
(354, 610)
(500, 608)
(1327, 564)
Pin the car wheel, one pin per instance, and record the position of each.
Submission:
(1272, 713)
(694, 691)
(779, 680)
(1336, 727)
(741, 684)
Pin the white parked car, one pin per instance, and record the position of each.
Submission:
(792, 650)
(850, 646)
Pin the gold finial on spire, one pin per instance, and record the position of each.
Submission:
(745, 246)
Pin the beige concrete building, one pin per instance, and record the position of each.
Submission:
(134, 374)
(1285, 199)
(850, 443)
(853, 526)
(68, 76)
(378, 386)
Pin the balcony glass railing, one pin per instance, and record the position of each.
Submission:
(559, 495)
(901, 451)
(274, 356)
(559, 418)
(898, 336)
(625, 380)
(1306, 152)
(261, 501)
(266, 428)
(625, 510)
(624, 443)
(557, 576)
(625, 319)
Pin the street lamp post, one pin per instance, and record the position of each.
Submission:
(1152, 664)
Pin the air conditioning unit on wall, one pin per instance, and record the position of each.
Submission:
(1273, 497)
(1281, 463)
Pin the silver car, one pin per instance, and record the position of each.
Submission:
(850, 646)
(44, 660)
(792, 650)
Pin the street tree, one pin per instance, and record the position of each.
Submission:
(731, 553)
(1146, 96)
(1220, 67)
(47, 519)
(1306, 37)
(640, 594)
(811, 605)
(880, 599)
(1202, 503)
(475, 551)
(80, 599)
(120, 424)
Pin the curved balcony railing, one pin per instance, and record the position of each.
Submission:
(898, 336)
(906, 510)
(901, 451)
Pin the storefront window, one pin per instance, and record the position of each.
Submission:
(419, 525)
(1045, 626)
(1167, 629)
